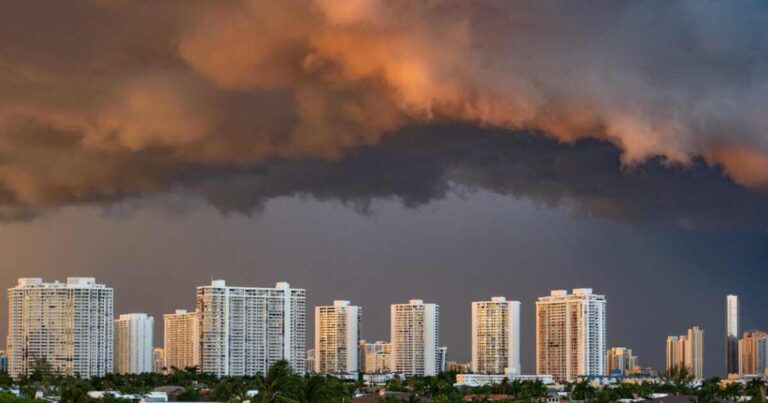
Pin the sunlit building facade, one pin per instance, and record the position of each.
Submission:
(133, 344)
(619, 361)
(181, 340)
(414, 337)
(732, 334)
(687, 351)
(496, 336)
(571, 334)
(753, 358)
(378, 357)
(337, 338)
(244, 330)
(70, 325)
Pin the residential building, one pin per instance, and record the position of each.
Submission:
(378, 357)
(732, 334)
(753, 354)
(496, 336)
(571, 334)
(3, 363)
(459, 367)
(687, 351)
(442, 358)
(158, 360)
(414, 338)
(619, 361)
(181, 340)
(310, 362)
(337, 338)
(68, 324)
(244, 330)
(133, 343)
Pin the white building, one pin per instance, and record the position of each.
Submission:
(244, 330)
(68, 324)
(571, 334)
(337, 337)
(415, 332)
(687, 351)
(181, 340)
(378, 357)
(133, 344)
(478, 380)
(496, 336)
(732, 334)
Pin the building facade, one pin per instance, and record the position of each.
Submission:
(158, 360)
(337, 338)
(619, 361)
(134, 344)
(732, 334)
(68, 324)
(181, 340)
(377, 357)
(571, 334)
(244, 330)
(687, 351)
(496, 336)
(414, 337)
(753, 358)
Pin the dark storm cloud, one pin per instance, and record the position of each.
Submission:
(424, 164)
(106, 99)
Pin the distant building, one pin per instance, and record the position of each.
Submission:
(133, 344)
(181, 340)
(158, 360)
(244, 330)
(687, 351)
(570, 334)
(495, 336)
(478, 380)
(337, 337)
(310, 364)
(753, 353)
(619, 360)
(458, 367)
(3, 363)
(442, 358)
(732, 334)
(378, 357)
(415, 335)
(68, 324)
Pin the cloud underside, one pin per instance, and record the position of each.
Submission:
(241, 101)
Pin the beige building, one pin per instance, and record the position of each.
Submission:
(687, 351)
(133, 344)
(158, 360)
(571, 334)
(414, 338)
(377, 357)
(68, 324)
(181, 340)
(752, 353)
(337, 338)
(619, 361)
(496, 336)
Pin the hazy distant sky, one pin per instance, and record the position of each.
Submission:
(382, 150)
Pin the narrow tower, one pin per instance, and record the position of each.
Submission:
(731, 334)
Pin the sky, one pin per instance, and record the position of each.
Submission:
(381, 150)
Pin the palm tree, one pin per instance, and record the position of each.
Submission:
(756, 389)
(679, 378)
(279, 385)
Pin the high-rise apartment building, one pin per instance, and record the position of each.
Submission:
(244, 330)
(133, 344)
(687, 351)
(181, 340)
(378, 357)
(753, 353)
(158, 360)
(415, 334)
(496, 336)
(68, 324)
(571, 334)
(442, 358)
(732, 334)
(337, 338)
(619, 360)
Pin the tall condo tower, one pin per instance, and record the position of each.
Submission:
(133, 344)
(415, 331)
(732, 334)
(337, 338)
(496, 336)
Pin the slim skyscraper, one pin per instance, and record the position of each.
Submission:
(181, 338)
(570, 334)
(133, 344)
(732, 334)
(337, 338)
(496, 336)
(415, 331)
(244, 330)
(68, 324)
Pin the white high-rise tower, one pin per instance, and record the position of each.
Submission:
(70, 325)
(133, 344)
(496, 336)
(732, 334)
(337, 338)
(415, 332)
(571, 334)
(244, 330)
